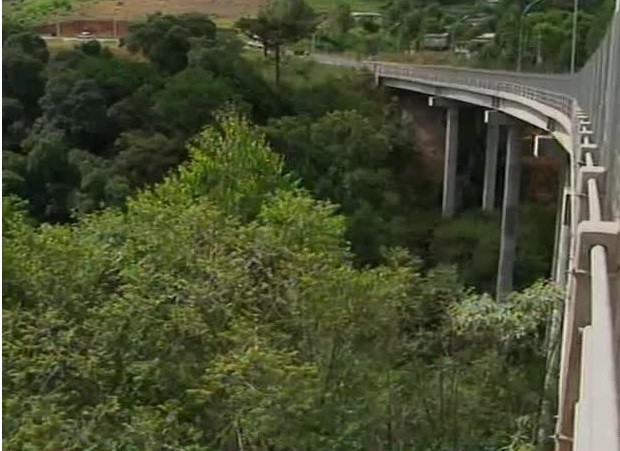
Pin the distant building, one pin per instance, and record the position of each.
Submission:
(477, 20)
(374, 17)
(359, 15)
(436, 41)
(483, 39)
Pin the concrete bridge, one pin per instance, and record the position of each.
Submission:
(582, 113)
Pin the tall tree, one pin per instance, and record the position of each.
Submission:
(281, 22)
(165, 39)
(23, 60)
(341, 18)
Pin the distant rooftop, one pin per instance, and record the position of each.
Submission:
(363, 14)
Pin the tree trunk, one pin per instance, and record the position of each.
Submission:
(546, 415)
(277, 51)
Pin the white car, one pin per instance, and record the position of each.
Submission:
(85, 35)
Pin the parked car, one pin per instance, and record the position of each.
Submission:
(85, 35)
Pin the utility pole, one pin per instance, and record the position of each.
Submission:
(573, 50)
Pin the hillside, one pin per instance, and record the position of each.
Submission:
(223, 10)
(132, 9)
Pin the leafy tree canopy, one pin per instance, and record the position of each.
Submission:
(281, 22)
(165, 39)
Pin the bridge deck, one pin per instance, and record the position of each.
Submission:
(583, 112)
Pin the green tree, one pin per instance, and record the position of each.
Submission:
(220, 310)
(48, 178)
(165, 39)
(100, 183)
(30, 43)
(472, 243)
(145, 158)
(22, 77)
(223, 59)
(345, 158)
(281, 22)
(91, 48)
(189, 99)
(341, 18)
(15, 123)
(79, 109)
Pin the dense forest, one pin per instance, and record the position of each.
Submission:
(199, 255)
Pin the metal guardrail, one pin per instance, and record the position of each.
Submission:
(589, 386)
(498, 82)
(596, 422)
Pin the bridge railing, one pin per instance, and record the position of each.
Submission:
(589, 409)
(533, 87)
(589, 385)
(597, 90)
(589, 418)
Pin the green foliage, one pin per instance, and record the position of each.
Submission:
(511, 321)
(223, 59)
(23, 60)
(118, 123)
(220, 311)
(15, 123)
(91, 48)
(347, 159)
(281, 22)
(190, 98)
(144, 158)
(28, 42)
(545, 32)
(340, 17)
(235, 168)
(35, 11)
(165, 39)
(315, 90)
(47, 177)
(78, 109)
(472, 243)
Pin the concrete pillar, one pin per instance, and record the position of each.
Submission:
(563, 245)
(510, 212)
(490, 167)
(448, 201)
(451, 147)
(562, 233)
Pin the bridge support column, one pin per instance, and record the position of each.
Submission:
(490, 167)
(510, 212)
(494, 120)
(448, 201)
(545, 145)
(561, 267)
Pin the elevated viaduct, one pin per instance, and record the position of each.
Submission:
(582, 114)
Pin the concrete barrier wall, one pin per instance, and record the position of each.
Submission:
(98, 28)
